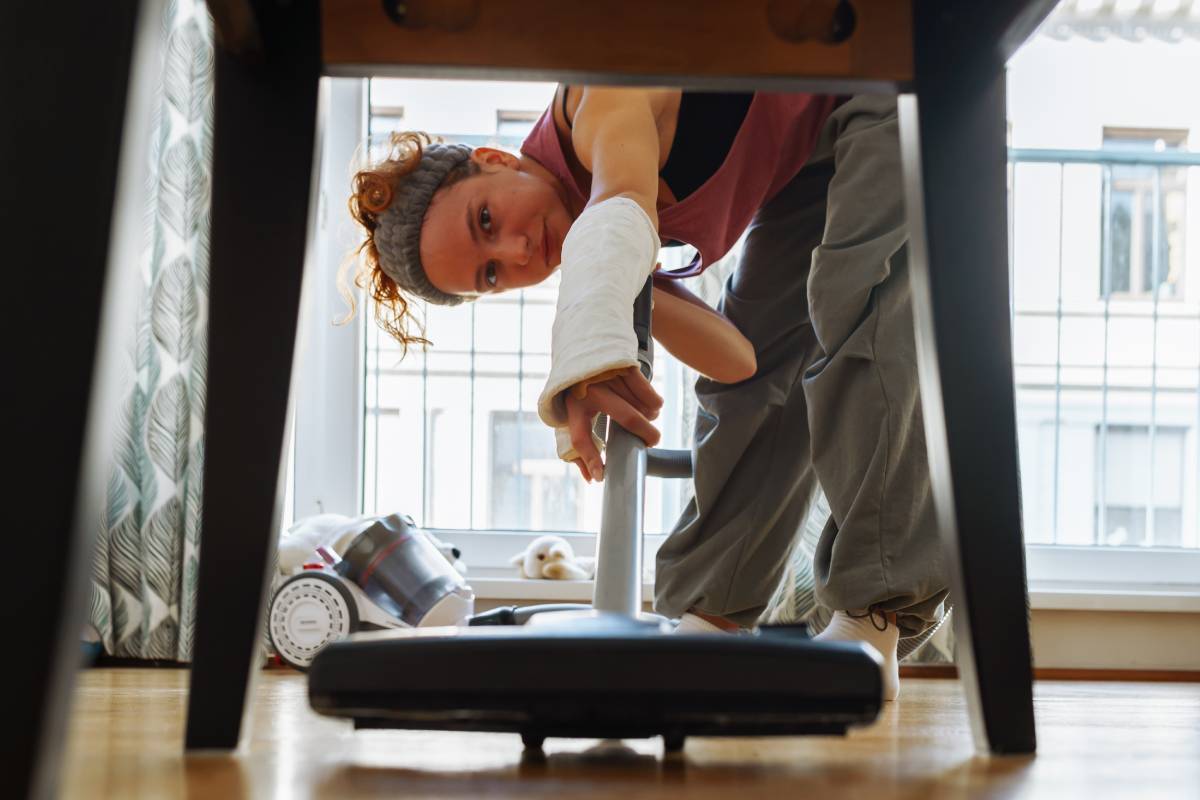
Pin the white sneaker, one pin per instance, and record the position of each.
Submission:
(845, 628)
(692, 623)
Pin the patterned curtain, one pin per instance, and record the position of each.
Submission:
(144, 576)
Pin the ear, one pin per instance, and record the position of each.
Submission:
(491, 159)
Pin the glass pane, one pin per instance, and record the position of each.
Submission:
(497, 325)
(1178, 346)
(1035, 237)
(1174, 228)
(1127, 479)
(1083, 340)
(1036, 431)
(1143, 462)
(532, 489)
(1079, 454)
(1168, 527)
(448, 328)
(400, 466)
(1035, 339)
(1131, 340)
(449, 451)
(539, 320)
(1120, 228)
(1125, 527)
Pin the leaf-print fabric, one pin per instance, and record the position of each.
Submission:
(144, 577)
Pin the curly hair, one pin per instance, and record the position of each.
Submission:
(372, 191)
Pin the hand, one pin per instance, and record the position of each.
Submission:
(627, 399)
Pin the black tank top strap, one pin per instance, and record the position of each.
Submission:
(708, 122)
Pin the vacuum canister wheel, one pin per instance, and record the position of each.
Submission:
(308, 612)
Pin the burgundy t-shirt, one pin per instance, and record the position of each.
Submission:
(776, 138)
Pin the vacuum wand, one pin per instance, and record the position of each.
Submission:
(618, 586)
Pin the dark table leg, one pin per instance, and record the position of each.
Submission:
(953, 134)
(266, 116)
(69, 74)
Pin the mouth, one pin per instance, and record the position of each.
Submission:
(546, 245)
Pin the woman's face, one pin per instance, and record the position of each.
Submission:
(499, 230)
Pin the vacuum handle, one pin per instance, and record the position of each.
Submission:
(642, 313)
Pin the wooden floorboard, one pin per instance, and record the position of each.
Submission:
(1096, 740)
(1065, 674)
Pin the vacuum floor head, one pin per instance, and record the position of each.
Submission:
(609, 678)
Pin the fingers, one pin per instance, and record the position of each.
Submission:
(633, 388)
(583, 470)
(619, 388)
(641, 388)
(579, 423)
(628, 399)
(601, 398)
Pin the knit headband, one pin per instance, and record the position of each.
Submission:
(398, 234)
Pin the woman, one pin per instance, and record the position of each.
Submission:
(821, 293)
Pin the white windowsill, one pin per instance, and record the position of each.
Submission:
(1108, 579)
(495, 584)
(1084, 597)
(502, 584)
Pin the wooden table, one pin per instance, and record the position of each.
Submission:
(944, 57)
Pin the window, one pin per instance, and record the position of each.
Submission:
(385, 119)
(1146, 218)
(1142, 472)
(515, 124)
(451, 435)
(531, 488)
(1106, 358)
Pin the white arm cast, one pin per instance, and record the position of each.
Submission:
(609, 252)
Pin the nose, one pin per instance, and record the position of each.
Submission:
(514, 250)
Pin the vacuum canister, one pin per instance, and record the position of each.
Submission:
(402, 572)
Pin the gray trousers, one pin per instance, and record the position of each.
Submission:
(822, 292)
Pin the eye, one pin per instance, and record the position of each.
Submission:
(489, 274)
(541, 556)
(485, 219)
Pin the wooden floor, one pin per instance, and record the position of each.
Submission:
(1096, 740)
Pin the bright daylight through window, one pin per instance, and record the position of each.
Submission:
(1105, 301)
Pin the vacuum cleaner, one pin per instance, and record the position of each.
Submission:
(391, 576)
(604, 671)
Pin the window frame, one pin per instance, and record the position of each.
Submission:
(327, 425)
(1174, 139)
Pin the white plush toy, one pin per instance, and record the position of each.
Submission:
(451, 553)
(298, 543)
(553, 558)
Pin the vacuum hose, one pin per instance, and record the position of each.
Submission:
(663, 463)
